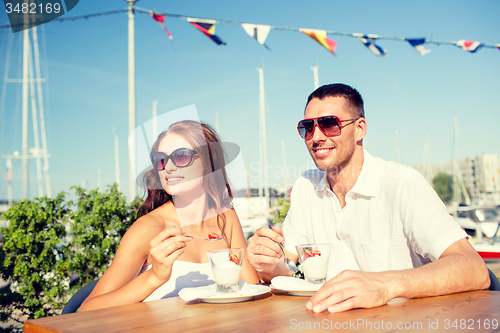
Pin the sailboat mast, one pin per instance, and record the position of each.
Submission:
(427, 147)
(131, 97)
(458, 186)
(26, 46)
(42, 115)
(285, 169)
(315, 73)
(36, 151)
(262, 131)
(117, 158)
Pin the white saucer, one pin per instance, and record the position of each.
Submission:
(296, 292)
(294, 286)
(208, 295)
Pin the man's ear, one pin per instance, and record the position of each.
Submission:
(361, 128)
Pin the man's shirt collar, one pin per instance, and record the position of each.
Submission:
(367, 182)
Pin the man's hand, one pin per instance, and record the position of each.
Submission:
(350, 290)
(264, 253)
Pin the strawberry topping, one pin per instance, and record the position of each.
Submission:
(213, 235)
(312, 253)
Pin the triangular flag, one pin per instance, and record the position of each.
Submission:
(257, 31)
(468, 45)
(369, 41)
(418, 44)
(161, 21)
(207, 27)
(320, 37)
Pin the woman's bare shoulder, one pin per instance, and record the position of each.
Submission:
(151, 224)
(228, 210)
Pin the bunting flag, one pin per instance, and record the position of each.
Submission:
(369, 42)
(257, 31)
(207, 27)
(320, 37)
(418, 44)
(161, 21)
(468, 45)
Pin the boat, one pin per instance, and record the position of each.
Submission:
(482, 224)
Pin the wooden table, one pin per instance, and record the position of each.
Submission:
(477, 311)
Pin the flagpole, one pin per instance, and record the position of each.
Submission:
(263, 139)
(99, 185)
(285, 169)
(131, 96)
(9, 180)
(25, 112)
(315, 72)
(426, 154)
(117, 158)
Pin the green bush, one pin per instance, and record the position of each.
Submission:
(97, 225)
(443, 185)
(39, 254)
(283, 207)
(32, 258)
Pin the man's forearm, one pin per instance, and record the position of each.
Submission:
(451, 274)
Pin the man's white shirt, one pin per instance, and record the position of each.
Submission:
(392, 219)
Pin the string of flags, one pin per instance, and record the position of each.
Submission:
(207, 27)
(161, 20)
(257, 31)
(320, 37)
(260, 32)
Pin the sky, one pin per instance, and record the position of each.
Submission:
(86, 93)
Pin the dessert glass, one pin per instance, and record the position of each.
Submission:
(226, 267)
(314, 261)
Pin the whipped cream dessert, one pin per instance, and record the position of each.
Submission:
(226, 273)
(315, 268)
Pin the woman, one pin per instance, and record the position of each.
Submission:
(187, 194)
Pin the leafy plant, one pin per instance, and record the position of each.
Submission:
(48, 239)
(443, 185)
(283, 207)
(97, 226)
(32, 258)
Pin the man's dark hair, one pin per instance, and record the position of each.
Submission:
(351, 95)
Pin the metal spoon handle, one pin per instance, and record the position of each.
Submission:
(207, 239)
(288, 263)
(282, 249)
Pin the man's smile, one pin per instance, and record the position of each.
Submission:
(322, 151)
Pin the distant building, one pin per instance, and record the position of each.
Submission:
(481, 174)
(488, 164)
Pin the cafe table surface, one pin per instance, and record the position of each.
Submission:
(277, 312)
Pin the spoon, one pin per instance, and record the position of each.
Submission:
(289, 264)
(207, 239)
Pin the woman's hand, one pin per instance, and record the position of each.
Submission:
(165, 249)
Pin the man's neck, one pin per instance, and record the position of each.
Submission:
(342, 182)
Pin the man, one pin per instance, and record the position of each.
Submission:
(391, 235)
